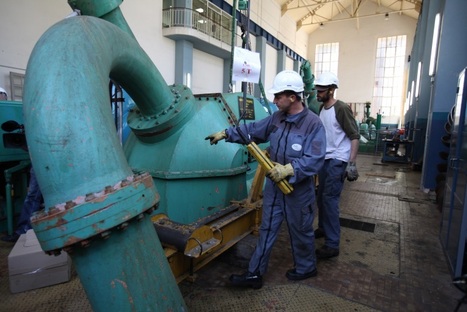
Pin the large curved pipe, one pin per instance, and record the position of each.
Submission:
(108, 10)
(70, 132)
(95, 205)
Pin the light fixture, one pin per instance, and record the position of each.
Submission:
(417, 82)
(321, 26)
(386, 16)
(434, 46)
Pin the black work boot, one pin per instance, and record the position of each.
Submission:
(247, 279)
(13, 238)
(319, 233)
(326, 252)
(294, 276)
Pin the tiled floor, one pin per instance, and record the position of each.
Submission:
(394, 263)
(399, 267)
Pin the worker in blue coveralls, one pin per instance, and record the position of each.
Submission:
(342, 138)
(32, 203)
(297, 147)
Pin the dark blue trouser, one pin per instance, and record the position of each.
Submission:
(331, 182)
(32, 203)
(299, 216)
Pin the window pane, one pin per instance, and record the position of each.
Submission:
(389, 72)
(326, 57)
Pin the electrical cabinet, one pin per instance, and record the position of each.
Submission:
(453, 229)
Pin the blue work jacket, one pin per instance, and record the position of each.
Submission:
(298, 139)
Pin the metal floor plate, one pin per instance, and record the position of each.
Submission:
(288, 298)
(66, 297)
(378, 251)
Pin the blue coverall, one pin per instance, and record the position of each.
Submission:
(32, 203)
(301, 141)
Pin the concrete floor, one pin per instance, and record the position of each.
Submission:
(390, 260)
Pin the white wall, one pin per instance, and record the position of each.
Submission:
(289, 63)
(24, 21)
(270, 72)
(267, 14)
(207, 73)
(357, 50)
(144, 18)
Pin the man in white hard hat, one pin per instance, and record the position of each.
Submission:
(342, 139)
(3, 95)
(297, 146)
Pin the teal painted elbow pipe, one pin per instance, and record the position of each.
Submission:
(108, 10)
(97, 208)
(70, 130)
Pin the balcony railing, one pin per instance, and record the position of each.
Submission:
(183, 17)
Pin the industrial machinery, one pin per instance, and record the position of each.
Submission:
(14, 162)
(138, 219)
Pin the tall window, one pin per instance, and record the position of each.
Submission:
(389, 76)
(326, 58)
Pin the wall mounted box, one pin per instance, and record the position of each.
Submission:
(30, 267)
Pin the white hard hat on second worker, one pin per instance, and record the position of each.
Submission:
(3, 91)
(287, 80)
(326, 79)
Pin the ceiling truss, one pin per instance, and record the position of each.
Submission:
(317, 12)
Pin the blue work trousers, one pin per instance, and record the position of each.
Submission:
(299, 221)
(32, 203)
(331, 182)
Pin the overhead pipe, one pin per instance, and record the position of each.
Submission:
(96, 207)
(308, 80)
(108, 10)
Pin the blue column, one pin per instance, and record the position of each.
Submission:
(183, 63)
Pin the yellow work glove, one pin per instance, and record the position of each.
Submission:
(280, 172)
(216, 137)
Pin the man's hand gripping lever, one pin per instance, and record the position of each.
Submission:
(266, 163)
(280, 172)
(260, 156)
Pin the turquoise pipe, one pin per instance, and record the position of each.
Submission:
(91, 195)
(108, 10)
(308, 80)
(76, 84)
(123, 282)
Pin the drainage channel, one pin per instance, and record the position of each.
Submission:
(357, 225)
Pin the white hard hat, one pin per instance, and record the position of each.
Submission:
(287, 80)
(327, 79)
(3, 91)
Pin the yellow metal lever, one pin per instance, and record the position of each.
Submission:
(267, 165)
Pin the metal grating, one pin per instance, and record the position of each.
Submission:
(357, 225)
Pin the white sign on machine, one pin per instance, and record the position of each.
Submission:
(246, 66)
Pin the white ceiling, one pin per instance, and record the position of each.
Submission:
(309, 14)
